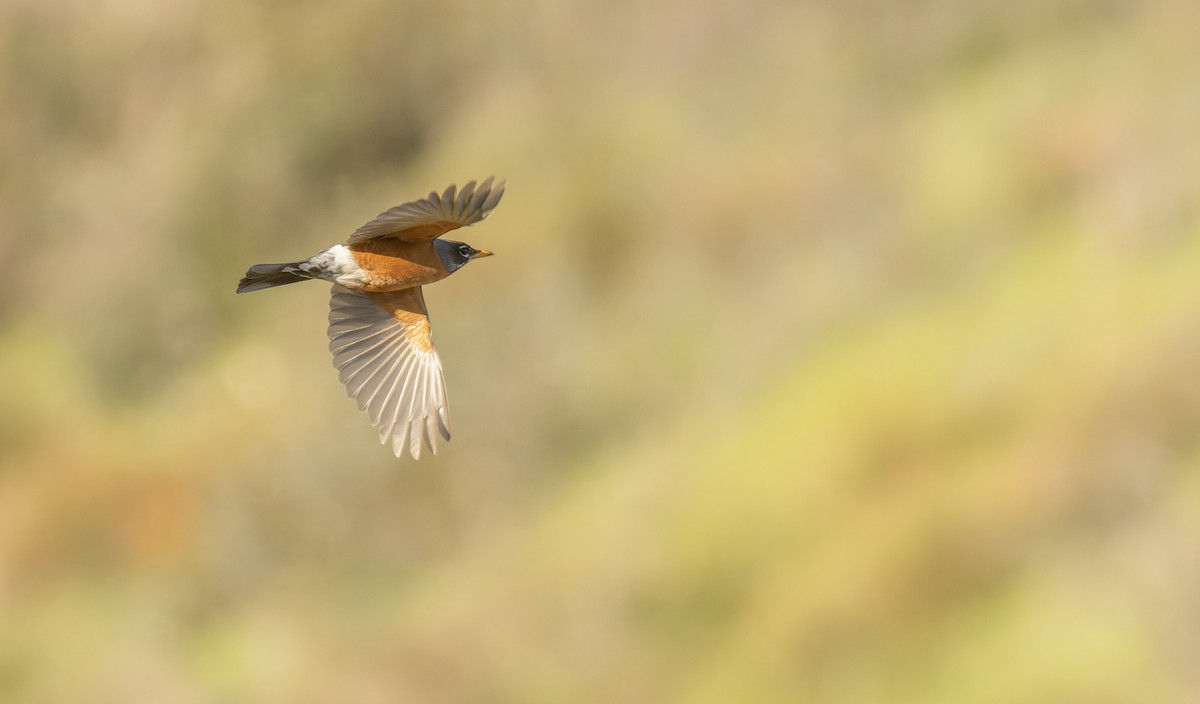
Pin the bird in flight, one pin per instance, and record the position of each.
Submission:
(378, 325)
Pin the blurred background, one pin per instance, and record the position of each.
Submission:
(833, 352)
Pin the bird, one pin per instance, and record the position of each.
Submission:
(379, 331)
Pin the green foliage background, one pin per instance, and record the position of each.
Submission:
(833, 352)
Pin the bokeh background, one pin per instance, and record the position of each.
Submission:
(834, 352)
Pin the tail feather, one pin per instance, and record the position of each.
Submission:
(262, 276)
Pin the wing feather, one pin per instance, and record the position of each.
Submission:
(384, 354)
(386, 411)
(435, 215)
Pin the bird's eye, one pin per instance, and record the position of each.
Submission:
(464, 250)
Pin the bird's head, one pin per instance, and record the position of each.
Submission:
(455, 255)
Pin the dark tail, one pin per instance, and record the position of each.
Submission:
(262, 276)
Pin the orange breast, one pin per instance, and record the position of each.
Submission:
(398, 264)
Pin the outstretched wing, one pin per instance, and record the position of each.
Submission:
(384, 354)
(434, 216)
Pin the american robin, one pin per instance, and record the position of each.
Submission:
(378, 325)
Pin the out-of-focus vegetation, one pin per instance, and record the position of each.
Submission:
(834, 352)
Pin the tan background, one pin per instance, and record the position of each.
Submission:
(832, 352)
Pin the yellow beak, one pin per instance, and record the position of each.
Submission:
(481, 253)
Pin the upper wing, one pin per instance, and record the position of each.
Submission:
(385, 357)
(434, 216)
